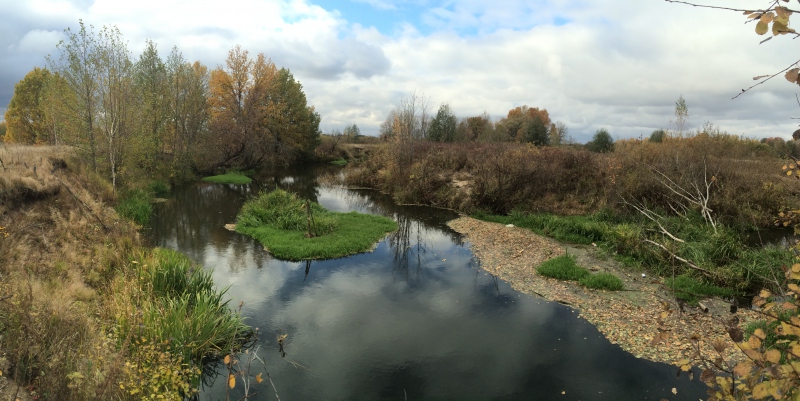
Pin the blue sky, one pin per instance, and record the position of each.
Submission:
(616, 64)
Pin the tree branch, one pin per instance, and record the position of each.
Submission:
(765, 79)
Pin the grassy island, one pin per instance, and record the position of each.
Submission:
(280, 220)
(231, 177)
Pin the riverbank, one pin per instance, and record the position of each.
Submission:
(631, 318)
(87, 311)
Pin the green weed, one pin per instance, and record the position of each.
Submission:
(602, 281)
(135, 205)
(563, 268)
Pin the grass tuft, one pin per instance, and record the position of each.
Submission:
(339, 162)
(563, 268)
(602, 281)
(135, 205)
(278, 220)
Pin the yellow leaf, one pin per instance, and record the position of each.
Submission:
(760, 391)
(773, 356)
(743, 369)
(686, 368)
(227, 359)
(795, 288)
(760, 334)
(767, 17)
(683, 362)
(754, 342)
(796, 267)
(789, 306)
(764, 294)
(789, 172)
(258, 378)
(231, 381)
(761, 28)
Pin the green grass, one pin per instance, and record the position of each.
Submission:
(278, 220)
(339, 162)
(602, 281)
(185, 309)
(231, 177)
(691, 289)
(732, 265)
(563, 268)
(135, 205)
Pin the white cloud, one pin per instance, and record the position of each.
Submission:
(615, 64)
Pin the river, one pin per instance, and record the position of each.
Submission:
(416, 319)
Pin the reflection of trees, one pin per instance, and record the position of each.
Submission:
(408, 254)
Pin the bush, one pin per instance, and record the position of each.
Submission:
(602, 281)
(562, 268)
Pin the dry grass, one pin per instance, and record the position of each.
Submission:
(60, 248)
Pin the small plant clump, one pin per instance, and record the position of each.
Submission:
(563, 268)
(602, 281)
(135, 205)
(294, 229)
(339, 162)
(231, 177)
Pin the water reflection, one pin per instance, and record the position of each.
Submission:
(414, 319)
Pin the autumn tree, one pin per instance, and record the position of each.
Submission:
(115, 87)
(77, 64)
(187, 111)
(239, 100)
(3, 130)
(558, 134)
(25, 116)
(525, 124)
(476, 128)
(444, 125)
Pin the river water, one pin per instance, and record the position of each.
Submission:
(416, 319)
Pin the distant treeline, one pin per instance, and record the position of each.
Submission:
(168, 118)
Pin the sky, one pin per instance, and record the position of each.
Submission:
(613, 64)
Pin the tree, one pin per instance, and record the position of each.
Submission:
(3, 130)
(558, 134)
(351, 133)
(294, 124)
(115, 87)
(187, 109)
(444, 125)
(78, 66)
(151, 90)
(525, 124)
(681, 123)
(657, 136)
(476, 128)
(25, 116)
(601, 142)
(239, 99)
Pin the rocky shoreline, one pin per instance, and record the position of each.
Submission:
(644, 319)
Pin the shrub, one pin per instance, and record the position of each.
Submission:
(602, 281)
(563, 268)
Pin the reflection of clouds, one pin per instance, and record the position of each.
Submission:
(412, 315)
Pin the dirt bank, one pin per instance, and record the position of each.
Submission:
(644, 319)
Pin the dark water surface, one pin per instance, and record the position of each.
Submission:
(417, 319)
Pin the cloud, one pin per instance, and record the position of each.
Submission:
(616, 64)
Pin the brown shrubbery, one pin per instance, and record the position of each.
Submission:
(499, 177)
